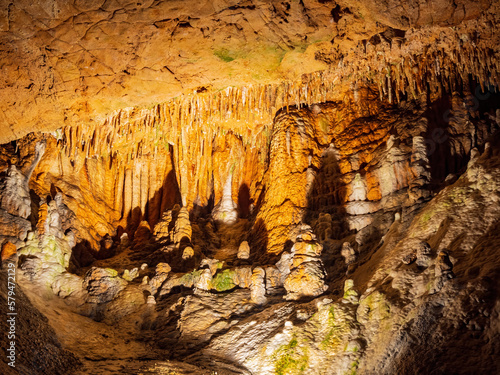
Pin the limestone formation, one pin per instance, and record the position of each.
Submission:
(187, 253)
(307, 273)
(15, 192)
(323, 226)
(68, 285)
(8, 250)
(283, 267)
(348, 253)
(13, 228)
(274, 279)
(249, 152)
(161, 274)
(102, 284)
(204, 282)
(162, 228)
(350, 294)
(418, 251)
(243, 277)
(358, 189)
(130, 275)
(420, 167)
(244, 250)
(258, 286)
(45, 257)
(124, 239)
(55, 217)
(212, 264)
(444, 270)
(226, 210)
(182, 229)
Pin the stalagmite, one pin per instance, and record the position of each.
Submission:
(258, 286)
(226, 210)
(15, 190)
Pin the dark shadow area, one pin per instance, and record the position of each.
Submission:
(35, 205)
(199, 211)
(163, 199)
(326, 214)
(441, 159)
(327, 196)
(449, 138)
(244, 201)
(82, 256)
(258, 240)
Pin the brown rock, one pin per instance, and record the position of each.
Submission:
(182, 228)
(102, 284)
(307, 274)
(161, 274)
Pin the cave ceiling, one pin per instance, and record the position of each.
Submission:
(69, 62)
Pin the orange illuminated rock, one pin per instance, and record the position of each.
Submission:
(306, 277)
(43, 212)
(8, 250)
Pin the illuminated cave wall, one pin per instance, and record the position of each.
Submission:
(349, 158)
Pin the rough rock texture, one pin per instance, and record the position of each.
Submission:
(306, 276)
(8, 250)
(117, 63)
(182, 228)
(102, 284)
(212, 45)
(38, 350)
(14, 228)
(258, 286)
(161, 274)
(244, 250)
(15, 187)
(348, 253)
(352, 145)
(225, 211)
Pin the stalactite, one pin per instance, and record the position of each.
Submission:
(130, 136)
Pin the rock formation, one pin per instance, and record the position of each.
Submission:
(225, 211)
(15, 188)
(244, 250)
(258, 286)
(306, 277)
(245, 187)
(348, 253)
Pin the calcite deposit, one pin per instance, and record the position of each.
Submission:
(251, 187)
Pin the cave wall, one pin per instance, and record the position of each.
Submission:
(348, 159)
(73, 62)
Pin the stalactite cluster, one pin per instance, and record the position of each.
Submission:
(442, 64)
(236, 109)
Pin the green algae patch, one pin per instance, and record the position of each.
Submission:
(225, 55)
(338, 325)
(224, 280)
(190, 278)
(290, 358)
